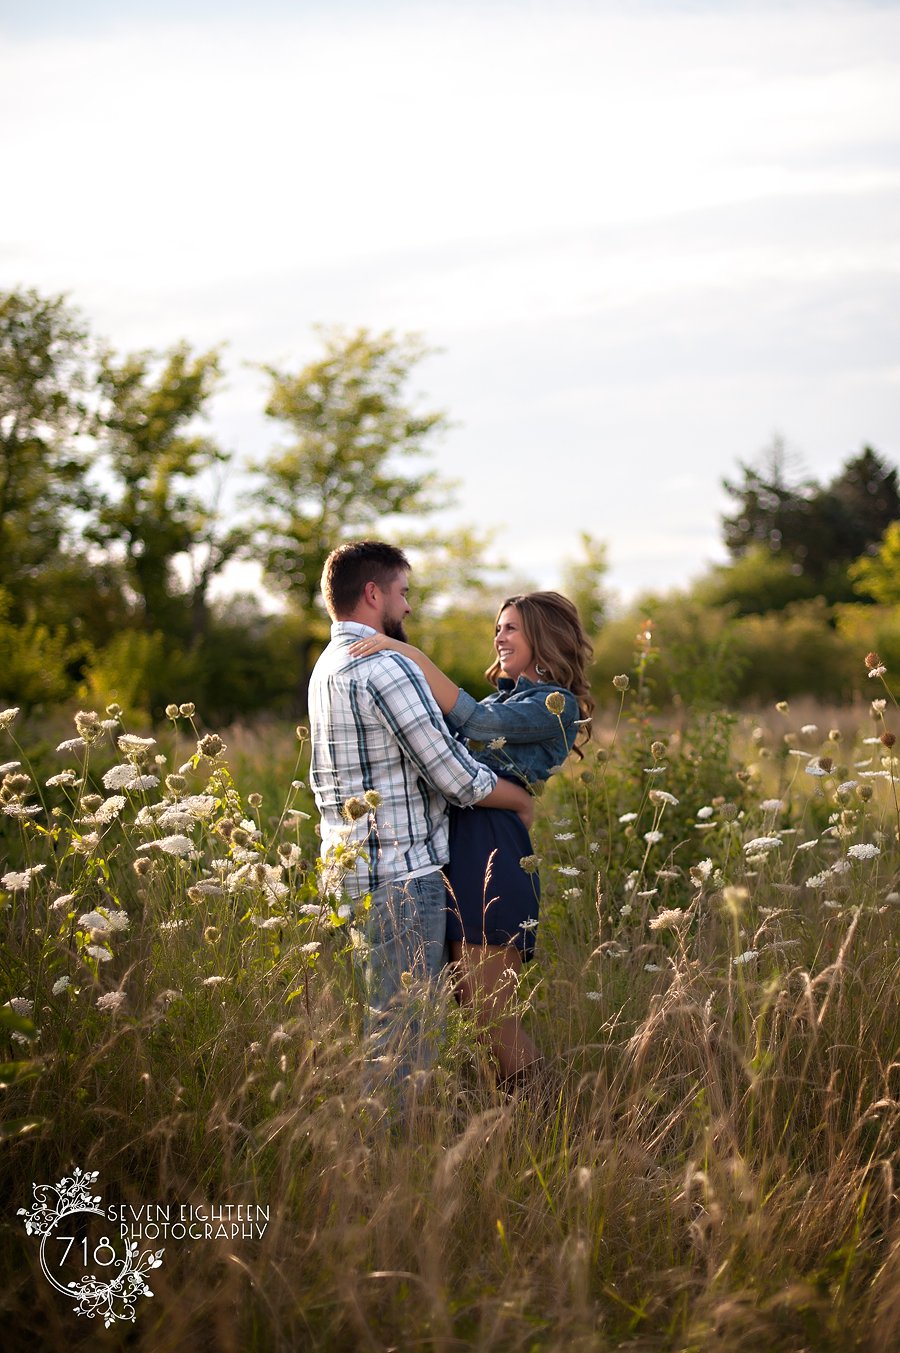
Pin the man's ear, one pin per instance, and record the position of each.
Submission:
(371, 592)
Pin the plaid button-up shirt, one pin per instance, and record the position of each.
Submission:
(375, 725)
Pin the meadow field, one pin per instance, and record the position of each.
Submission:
(710, 1162)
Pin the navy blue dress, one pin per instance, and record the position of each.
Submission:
(493, 900)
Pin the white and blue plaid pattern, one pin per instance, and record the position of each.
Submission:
(375, 725)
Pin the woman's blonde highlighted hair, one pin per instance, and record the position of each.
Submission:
(562, 650)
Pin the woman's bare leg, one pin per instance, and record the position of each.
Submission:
(488, 976)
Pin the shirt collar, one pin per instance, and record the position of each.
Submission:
(350, 629)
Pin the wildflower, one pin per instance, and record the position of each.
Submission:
(835, 735)
(312, 947)
(746, 957)
(704, 813)
(187, 710)
(269, 922)
(172, 712)
(816, 768)
(497, 744)
(626, 909)
(65, 777)
(60, 903)
(530, 924)
(111, 1000)
(142, 782)
(888, 739)
(865, 792)
(142, 866)
(354, 808)
(18, 882)
(662, 796)
(879, 706)
(763, 843)
(211, 746)
(98, 952)
(72, 745)
(620, 682)
(173, 925)
(302, 732)
(658, 750)
(649, 892)
(555, 702)
(213, 981)
(87, 725)
(809, 729)
(782, 706)
(653, 838)
(877, 671)
(105, 920)
(131, 744)
(865, 851)
(807, 845)
(8, 716)
(22, 810)
(59, 986)
(668, 874)
(701, 872)
(211, 934)
(669, 919)
(21, 1005)
(171, 845)
(530, 863)
(564, 836)
(569, 870)
(109, 810)
(655, 770)
(628, 817)
(872, 660)
(119, 777)
(12, 765)
(772, 805)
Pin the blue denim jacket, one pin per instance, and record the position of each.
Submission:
(536, 741)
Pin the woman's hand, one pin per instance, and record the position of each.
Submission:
(377, 643)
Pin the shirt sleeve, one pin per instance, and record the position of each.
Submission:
(521, 720)
(403, 701)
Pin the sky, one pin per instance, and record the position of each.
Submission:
(643, 238)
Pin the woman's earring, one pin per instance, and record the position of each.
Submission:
(541, 671)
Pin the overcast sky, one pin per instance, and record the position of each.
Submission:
(646, 236)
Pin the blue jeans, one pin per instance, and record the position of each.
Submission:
(401, 956)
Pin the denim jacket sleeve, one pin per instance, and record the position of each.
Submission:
(521, 720)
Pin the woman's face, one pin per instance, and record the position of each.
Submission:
(513, 649)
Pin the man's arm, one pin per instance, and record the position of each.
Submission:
(402, 700)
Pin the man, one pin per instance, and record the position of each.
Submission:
(384, 766)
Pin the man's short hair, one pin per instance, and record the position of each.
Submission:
(349, 567)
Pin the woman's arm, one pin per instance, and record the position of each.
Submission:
(443, 689)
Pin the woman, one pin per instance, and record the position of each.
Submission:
(523, 732)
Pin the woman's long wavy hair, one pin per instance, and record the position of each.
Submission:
(562, 650)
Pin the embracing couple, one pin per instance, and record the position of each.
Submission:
(427, 795)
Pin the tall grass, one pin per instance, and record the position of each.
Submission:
(709, 1162)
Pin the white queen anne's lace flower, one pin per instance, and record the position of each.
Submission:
(762, 843)
(17, 882)
(111, 1000)
(864, 851)
(746, 957)
(181, 846)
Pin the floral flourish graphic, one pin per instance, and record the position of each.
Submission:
(113, 1298)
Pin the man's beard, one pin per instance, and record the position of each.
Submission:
(394, 629)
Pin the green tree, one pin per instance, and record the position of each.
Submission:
(343, 468)
(153, 455)
(583, 582)
(44, 450)
(878, 576)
